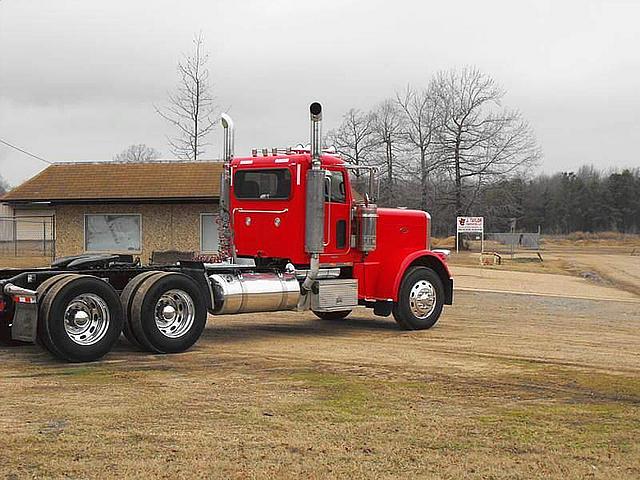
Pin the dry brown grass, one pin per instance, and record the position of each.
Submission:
(607, 239)
(7, 261)
(575, 239)
(504, 387)
(446, 242)
(523, 262)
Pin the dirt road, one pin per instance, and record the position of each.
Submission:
(505, 386)
(485, 279)
(620, 270)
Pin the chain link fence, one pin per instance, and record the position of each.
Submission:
(516, 241)
(513, 243)
(28, 236)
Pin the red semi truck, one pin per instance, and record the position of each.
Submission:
(297, 236)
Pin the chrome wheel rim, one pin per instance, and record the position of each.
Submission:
(86, 319)
(175, 313)
(422, 299)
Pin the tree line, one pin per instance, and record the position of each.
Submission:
(452, 148)
(454, 137)
(587, 200)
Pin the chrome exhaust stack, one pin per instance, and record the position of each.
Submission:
(314, 215)
(314, 221)
(227, 149)
(227, 246)
(315, 111)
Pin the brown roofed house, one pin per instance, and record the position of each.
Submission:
(136, 208)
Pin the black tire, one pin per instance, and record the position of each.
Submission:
(59, 298)
(332, 316)
(5, 333)
(407, 315)
(126, 298)
(150, 297)
(41, 294)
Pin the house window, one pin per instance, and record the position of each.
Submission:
(209, 240)
(112, 233)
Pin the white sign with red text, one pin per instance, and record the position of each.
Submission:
(470, 224)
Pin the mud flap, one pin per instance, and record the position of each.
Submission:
(448, 300)
(25, 322)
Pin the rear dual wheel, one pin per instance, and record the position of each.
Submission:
(165, 312)
(126, 298)
(79, 317)
(5, 329)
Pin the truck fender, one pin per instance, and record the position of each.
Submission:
(426, 258)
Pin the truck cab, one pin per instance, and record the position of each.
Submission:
(268, 208)
(376, 247)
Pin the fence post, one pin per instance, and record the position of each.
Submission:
(44, 237)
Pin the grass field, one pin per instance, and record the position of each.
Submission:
(9, 261)
(504, 387)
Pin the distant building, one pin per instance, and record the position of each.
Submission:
(136, 208)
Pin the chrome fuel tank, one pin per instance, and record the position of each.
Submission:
(367, 216)
(254, 292)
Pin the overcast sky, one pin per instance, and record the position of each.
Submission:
(79, 78)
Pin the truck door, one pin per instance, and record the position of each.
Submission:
(337, 215)
(262, 223)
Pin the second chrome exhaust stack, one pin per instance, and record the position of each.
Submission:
(227, 244)
(227, 146)
(314, 217)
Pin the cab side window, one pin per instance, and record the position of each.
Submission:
(335, 187)
(267, 184)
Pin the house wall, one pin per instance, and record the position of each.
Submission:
(164, 226)
(6, 223)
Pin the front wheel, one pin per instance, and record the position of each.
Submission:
(420, 299)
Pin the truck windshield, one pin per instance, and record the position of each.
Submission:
(273, 183)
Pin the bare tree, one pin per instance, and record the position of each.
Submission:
(191, 109)
(4, 185)
(419, 129)
(387, 127)
(138, 153)
(478, 140)
(355, 138)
